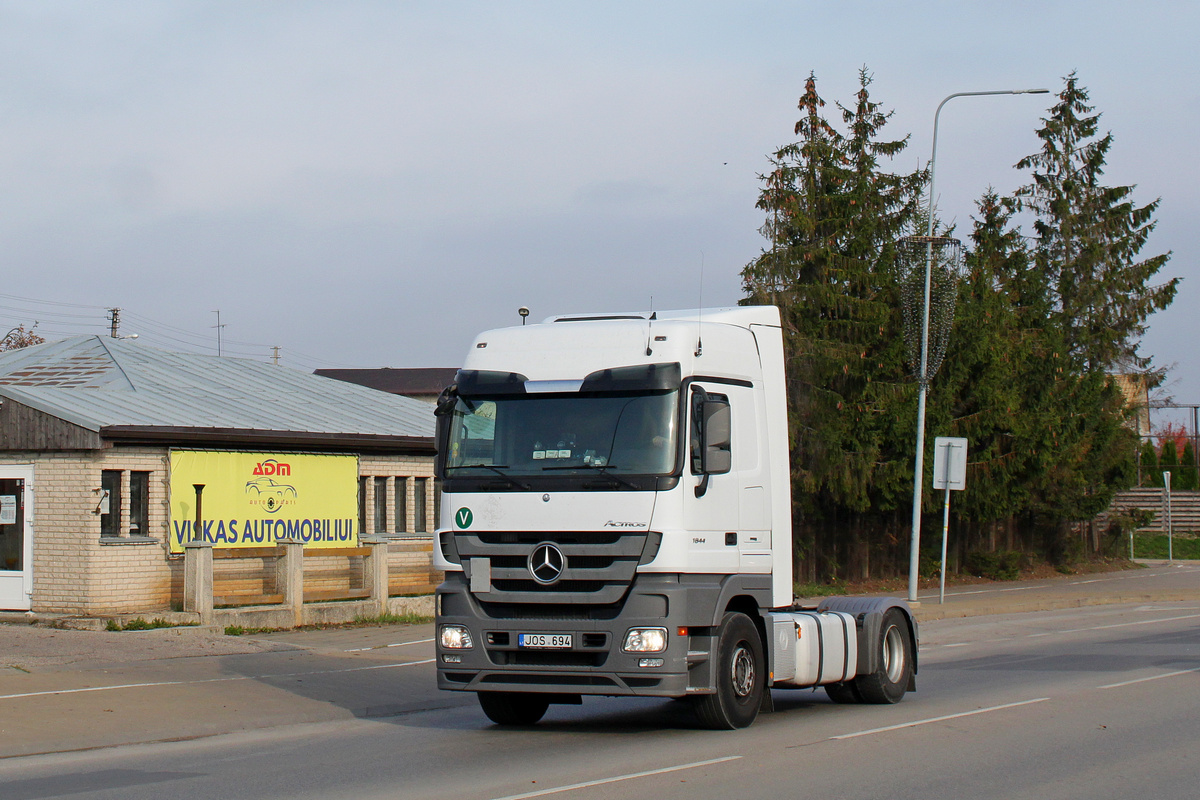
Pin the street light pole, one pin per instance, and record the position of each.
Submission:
(922, 376)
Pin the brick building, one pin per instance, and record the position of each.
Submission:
(94, 504)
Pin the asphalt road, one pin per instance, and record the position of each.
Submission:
(1096, 702)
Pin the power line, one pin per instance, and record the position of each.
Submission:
(99, 320)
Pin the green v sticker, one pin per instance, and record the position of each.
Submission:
(463, 517)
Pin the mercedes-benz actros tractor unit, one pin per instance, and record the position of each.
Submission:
(617, 520)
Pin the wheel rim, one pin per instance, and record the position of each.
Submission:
(893, 654)
(743, 671)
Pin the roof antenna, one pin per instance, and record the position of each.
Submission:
(650, 326)
(700, 310)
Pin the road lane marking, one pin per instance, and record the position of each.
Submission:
(213, 680)
(630, 776)
(939, 719)
(382, 646)
(1151, 678)
(1128, 624)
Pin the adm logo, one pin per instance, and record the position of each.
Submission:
(265, 491)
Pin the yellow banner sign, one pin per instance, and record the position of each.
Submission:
(254, 499)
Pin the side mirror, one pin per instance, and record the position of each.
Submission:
(441, 439)
(446, 400)
(716, 457)
(711, 437)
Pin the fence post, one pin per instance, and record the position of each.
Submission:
(198, 579)
(290, 576)
(375, 567)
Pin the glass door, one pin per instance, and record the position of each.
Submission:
(16, 545)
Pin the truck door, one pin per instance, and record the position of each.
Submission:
(712, 497)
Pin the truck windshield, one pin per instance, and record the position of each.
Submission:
(553, 434)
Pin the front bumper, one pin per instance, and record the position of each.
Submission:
(595, 663)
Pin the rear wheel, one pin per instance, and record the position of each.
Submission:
(513, 708)
(889, 683)
(740, 676)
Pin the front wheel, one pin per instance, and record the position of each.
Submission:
(513, 708)
(740, 676)
(889, 683)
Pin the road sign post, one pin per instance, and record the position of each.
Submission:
(949, 472)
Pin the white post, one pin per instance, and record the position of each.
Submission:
(945, 536)
(949, 474)
(945, 530)
(1167, 499)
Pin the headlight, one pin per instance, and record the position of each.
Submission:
(645, 640)
(456, 637)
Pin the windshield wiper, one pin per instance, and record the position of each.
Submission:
(602, 469)
(496, 468)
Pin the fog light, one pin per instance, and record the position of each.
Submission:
(645, 640)
(650, 662)
(456, 637)
(451, 659)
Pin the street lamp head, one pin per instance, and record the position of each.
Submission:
(1031, 91)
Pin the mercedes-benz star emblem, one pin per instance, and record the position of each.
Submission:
(546, 563)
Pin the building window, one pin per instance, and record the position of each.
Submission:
(401, 505)
(362, 505)
(110, 503)
(139, 504)
(420, 525)
(381, 505)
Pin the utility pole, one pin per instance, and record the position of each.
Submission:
(218, 326)
(923, 376)
(114, 320)
(275, 355)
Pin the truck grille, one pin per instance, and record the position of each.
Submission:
(599, 565)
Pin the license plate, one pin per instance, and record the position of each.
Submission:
(545, 641)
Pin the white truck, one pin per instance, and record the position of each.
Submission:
(616, 520)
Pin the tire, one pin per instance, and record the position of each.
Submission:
(843, 692)
(740, 676)
(889, 683)
(513, 708)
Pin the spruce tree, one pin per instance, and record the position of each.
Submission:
(1187, 468)
(982, 390)
(1090, 236)
(1151, 476)
(832, 217)
(1168, 461)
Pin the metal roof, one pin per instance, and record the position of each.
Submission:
(417, 380)
(97, 382)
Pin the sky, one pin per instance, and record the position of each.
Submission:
(369, 184)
